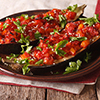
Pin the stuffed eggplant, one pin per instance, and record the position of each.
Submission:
(59, 47)
(37, 26)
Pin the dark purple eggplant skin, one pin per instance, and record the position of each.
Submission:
(14, 47)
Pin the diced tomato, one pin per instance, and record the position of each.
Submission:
(80, 34)
(48, 60)
(85, 43)
(25, 55)
(72, 50)
(1, 24)
(81, 26)
(70, 15)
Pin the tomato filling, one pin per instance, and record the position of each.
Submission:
(62, 44)
(34, 26)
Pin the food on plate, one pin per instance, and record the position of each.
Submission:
(37, 26)
(59, 46)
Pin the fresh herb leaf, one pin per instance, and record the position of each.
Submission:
(72, 8)
(52, 33)
(39, 62)
(87, 57)
(24, 61)
(25, 16)
(90, 21)
(38, 48)
(24, 39)
(12, 56)
(17, 23)
(23, 50)
(60, 52)
(73, 66)
(62, 20)
(37, 35)
(78, 38)
(63, 11)
(48, 17)
(5, 25)
(50, 46)
(8, 18)
(20, 29)
(61, 44)
(28, 49)
(47, 41)
(33, 16)
(25, 69)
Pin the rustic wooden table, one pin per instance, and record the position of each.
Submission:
(9, 92)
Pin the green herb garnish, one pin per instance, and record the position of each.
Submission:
(73, 66)
(61, 44)
(91, 21)
(38, 48)
(47, 41)
(50, 46)
(25, 63)
(12, 56)
(52, 33)
(20, 29)
(5, 25)
(39, 62)
(37, 35)
(28, 49)
(33, 16)
(25, 16)
(62, 20)
(87, 57)
(25, 68)
(78, 38)
(48, 17)
(17, 23)
(24, 40)
(72, 8)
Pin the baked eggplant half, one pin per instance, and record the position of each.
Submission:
(59, 47)
(36, 25)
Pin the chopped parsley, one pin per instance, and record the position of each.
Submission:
(48, 17)
(61, 44)
(72, 8)
(90, 21)
(62, 20)
(25, 16)
(38, 48)
(52, 33)
(78, 38)
(87, 57)
(12, 56)
(24, 39)
(39, 62)
(37, 35)
(73, 66)
(5, 25)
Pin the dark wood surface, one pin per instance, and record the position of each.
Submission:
(9, 92)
